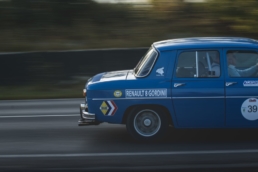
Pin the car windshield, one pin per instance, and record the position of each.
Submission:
(145, 64)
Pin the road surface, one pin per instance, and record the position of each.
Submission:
(38, 135)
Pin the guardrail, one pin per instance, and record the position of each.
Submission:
(40, 67)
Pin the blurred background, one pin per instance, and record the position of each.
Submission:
(49, 48)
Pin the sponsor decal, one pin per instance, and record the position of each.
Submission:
(250, 83)
(162, 92)
(118, 93)
(249, 109)
(252, 100)
(108, 108)
(160, 72)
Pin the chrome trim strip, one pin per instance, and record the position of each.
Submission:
(149, 98)
(217, 97)
(134, 98)
(241, 97)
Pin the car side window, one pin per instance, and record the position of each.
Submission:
(198, 64)
(242, 63)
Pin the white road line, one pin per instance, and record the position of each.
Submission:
(35, 116)
(132, 154)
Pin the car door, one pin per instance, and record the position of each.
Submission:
(241, 87)
(197, 90)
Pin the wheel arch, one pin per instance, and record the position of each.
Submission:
(150, 106)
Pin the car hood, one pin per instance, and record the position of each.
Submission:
(114, 75)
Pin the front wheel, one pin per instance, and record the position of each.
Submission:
(147, 123)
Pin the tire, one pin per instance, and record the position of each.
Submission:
(147, 123)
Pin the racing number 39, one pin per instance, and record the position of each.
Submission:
(249, 109)
(252, 108)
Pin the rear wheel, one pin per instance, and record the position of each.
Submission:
(147, 123)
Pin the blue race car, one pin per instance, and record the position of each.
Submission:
(187, 83)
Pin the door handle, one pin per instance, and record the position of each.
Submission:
(178, 84)
(230, 83)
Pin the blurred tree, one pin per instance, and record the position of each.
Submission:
(237, 16)
(45, 21)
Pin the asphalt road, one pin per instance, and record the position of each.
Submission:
(52, 141)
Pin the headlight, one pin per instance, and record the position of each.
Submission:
(84, 92)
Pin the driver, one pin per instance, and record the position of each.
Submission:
(233, 72)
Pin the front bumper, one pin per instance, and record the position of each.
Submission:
(86, 117)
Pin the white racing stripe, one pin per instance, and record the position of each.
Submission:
(35, 116)
(132, 154)
(112, 108)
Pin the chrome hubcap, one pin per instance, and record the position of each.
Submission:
(147, 123)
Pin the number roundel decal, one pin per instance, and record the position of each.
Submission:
(249, 109)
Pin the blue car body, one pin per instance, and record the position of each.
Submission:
(190, 102)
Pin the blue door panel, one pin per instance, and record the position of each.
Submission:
(200, 103)
(236, 95)
(203, 116)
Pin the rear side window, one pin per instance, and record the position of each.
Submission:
(242, 63)
(198, 64)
